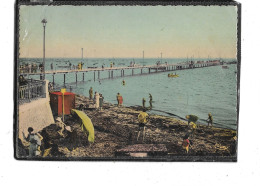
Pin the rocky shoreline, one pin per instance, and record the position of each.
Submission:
(117, 127)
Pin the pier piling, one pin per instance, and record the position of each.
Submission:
(64, 79)
(53, 78)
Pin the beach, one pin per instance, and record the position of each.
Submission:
(117, 128)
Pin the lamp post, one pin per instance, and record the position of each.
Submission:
(44, 21)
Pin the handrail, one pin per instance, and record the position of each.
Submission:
(32, 90)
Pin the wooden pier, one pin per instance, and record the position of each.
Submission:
(135, 70)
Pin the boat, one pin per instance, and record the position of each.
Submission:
(173, 75)
(224, 67)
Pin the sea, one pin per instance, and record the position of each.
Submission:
(196, 91)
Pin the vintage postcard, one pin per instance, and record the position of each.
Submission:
(127, 80)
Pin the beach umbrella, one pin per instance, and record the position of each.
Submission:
(86, 125)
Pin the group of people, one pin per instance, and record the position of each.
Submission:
(28, 68)
(192, 119)
(41, 144)
(98, 99)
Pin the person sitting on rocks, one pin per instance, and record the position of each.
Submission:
(60, 124)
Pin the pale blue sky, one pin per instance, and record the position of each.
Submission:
(125, 31)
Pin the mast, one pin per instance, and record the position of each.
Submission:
(143, 55)
(81, 54)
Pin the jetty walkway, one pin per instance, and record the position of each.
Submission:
(136, 70)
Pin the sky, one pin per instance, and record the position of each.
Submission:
(127, 31)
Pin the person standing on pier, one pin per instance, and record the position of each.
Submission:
(51, 66)
(90, 93)
(97, 100)
(144, 102)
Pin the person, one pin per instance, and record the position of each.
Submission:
(46, 143)
(151, 97)
(186, 143)
(119, 100)
(111, 64)
(29, 68)
(151, 100)
(210, 119)
(101, 99)
(41, 67)
(51, 66)
(22, 80)
(60, 124)
(96, 100)
(144, 102)
(193, 127)
(91, 93)
(70, 65)
(102, 66)
(192, 118)
(35, 142)
(50, 86)
(81, 66)
(142, 119)
(123, 82)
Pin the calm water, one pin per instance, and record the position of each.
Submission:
(196, 91)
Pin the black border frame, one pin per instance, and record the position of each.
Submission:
(124, 3)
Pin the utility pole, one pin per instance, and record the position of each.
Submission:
(44, 21)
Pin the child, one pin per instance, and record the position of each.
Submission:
(186, 143)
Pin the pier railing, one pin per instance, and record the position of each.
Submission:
(31, 90)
